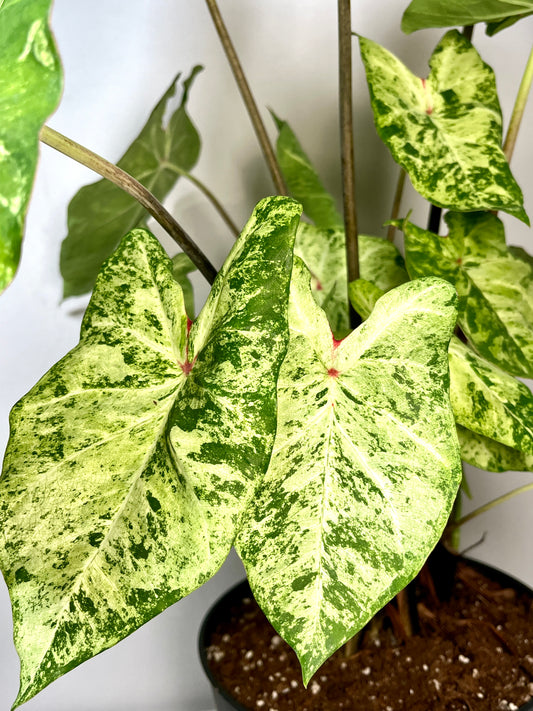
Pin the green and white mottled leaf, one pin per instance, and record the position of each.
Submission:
(487, 454)
(303, 181)
(101, 213)
(489, 401)
(422, 14)
(182, 266)
(446, 130)
(365, 467)
(495, 286)
(324, 253)
(130, 463)
(364, 296)
(30, 87)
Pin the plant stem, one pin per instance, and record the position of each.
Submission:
(347, 147)
(208, 193)
(131, 186)
(518, 110)
(434, 219)
(396, 204)
(248, 98)
(488, 506)
(468, 31)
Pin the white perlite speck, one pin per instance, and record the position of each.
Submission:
(314, 688)
(366, 671)
(463, 659)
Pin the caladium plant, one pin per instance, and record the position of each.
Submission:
(328, 453)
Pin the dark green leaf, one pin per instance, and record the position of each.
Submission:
(365, 466)
(422, 14)
(303, 181)
(30, 87)
(446, 130)
(132, 461)
(495, 287)
(99, 214)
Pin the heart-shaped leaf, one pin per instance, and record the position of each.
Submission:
(100, 213)
(130, 463)
(422, 14)
(487, 454)
(489, 401)
(324, 253)
(30, 87)
(365, 466)
(446, 130)
(303, 181)
(495, 286)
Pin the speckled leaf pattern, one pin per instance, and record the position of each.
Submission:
(108, 515)
(324, 253)
(489, 401)
(303, 181)
(365, 466)
(101, 213)
(30, 87)
(487, 454)
(364, 296)
(446, 130)
(422, 14)
(495, 286)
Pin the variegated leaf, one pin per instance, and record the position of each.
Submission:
(446, 130)
(487, 454)
(182, 266)
(100, 213)
(324, 253)
(364, 296)
(422, 14)
(365, 466)
(132, 460)
(495, 286)
(489, 401)
(303, 181)
(30, 87)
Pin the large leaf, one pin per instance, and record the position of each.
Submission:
(489, 401)
(30, 86)
(485, 453)
(446, 130)
(365, 466)
(130, 463)
(494, 284)
(324, 253)
(422, 14)
(99, 214)
(303, 181)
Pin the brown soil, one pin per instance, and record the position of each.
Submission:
(473, 652)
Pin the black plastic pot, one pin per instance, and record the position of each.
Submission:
(221, 610)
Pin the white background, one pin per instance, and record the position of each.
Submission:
(119, 57)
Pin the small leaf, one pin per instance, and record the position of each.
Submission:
(364, 296)
(489, 401)
(495, 286)
(182, 265)
(303, 181)
(487, 454)
(446, 130)
(99, 214)
(365, 466)
(422, 14)
(131, 462)
(324, 253)
(30, 87)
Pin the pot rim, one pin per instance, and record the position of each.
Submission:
(242, 590)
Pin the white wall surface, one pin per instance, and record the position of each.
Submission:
(118, 58)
